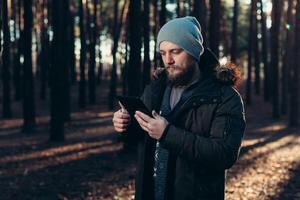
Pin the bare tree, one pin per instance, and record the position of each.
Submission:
(28, 86)
(294, 114)
(146, 31)
(250, 52)
(6, 62)
(215, 26)
(276, 14)
(234, 33)
(82, 82)
(287, 58)
(59, 75)
(135, 44)
(199, 11)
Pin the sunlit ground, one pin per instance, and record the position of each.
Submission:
(92, 165)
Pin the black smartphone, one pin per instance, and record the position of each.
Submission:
(133, 104)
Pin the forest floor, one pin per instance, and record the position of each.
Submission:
(92, 165)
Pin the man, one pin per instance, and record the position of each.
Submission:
(198, 120)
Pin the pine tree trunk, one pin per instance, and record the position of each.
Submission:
(135, 43)
(28, 85)
(59, 70)
(146, 29)
(265, 53)
(256, 57)
(73, 74)
(6, 62)
(44, 54)
(287, 60)
(113, 74)
(294, 114)
(276, 14)
(234, 33)
(82, 82)
(250, 52)
(215, 26)
(200, 11)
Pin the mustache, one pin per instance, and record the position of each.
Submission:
(172, 66)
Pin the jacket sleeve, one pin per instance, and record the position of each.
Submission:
(221, 149)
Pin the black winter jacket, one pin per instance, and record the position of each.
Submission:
(203, 137)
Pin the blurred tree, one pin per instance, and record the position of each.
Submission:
(199, 11)
(215, 26)
(146, 32)
(155, 31)
(92, 51)
(163, 13)
(256, 54)
(44, 50)
(113, 74)
(71, 17)
(178, 8)
(276, 15)
(59, 71)
(6, 62)
(294, 114)
(287, 58)
(234, 32)
(15, 51)
(0, 32)
(251, 36)
(28, 86)
(265, 52)
(116, 35)
(135, 44)
(82, 82)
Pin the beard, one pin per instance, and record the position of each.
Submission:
(182, 77)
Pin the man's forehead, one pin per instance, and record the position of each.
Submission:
(166, 45)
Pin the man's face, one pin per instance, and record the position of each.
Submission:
(180, 66)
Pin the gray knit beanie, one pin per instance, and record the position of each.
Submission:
(184, 32)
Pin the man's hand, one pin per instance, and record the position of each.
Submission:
(154, 126)
(121, 119)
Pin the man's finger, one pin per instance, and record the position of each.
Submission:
(143, 116)
(142, 123)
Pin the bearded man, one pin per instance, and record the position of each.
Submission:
(197, 124)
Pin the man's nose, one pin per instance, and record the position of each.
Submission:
(169, 59)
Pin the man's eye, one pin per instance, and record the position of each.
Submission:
(177, 51)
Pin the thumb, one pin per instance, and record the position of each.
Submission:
(122, 107)
(155, 115)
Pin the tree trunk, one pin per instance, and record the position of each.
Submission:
(287, 60)
(92, 61)
(73, 73)
(59, 70)
(265, 53)
(154, 32)
(146, 29)
(234, 33)
(256, 56)
(6, 62)
(16, 58)
(214, 28)
(163, 13)
(44, 54)
(294, 114)
(82, 82)
(200, 11)
(28, 85)
(250, 51)
(276, 14)
(113, 74)
(134, 68)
